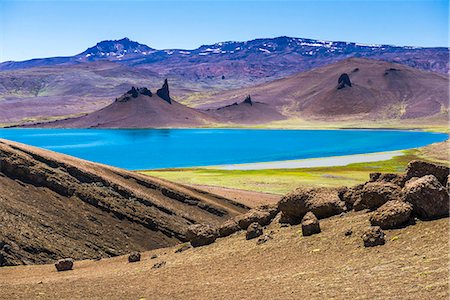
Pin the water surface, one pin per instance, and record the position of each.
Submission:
(139, 149)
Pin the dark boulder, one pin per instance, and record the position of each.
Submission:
(262, 215)
(201, 235)
(351, 195)
(163, 92)
(375, 194)
(397, 179)
(134, 257)
(373, 236)
(429, 198)
(159, 265)
(145, 91)
(65, 264)
(392, 214)
(310, 224)
(418, 168)
(323, 202)
(254, 230)
(228, 228)
(343, 81)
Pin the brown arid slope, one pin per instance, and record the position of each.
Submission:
(138, 108)
(379, 90)
(53, 206)
(413, 264)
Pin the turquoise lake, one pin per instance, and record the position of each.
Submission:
(139, 149)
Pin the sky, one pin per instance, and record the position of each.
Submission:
(34, 29)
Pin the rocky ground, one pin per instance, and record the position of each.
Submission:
(385, 239)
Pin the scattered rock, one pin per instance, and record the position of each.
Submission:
(397, 179)
(65, 264)
(392, 214)
(253, 231)
(201, 235)
(163, 92)
(375, 194)
(310, 224)
(263, 239)
(418, 168)
(323, 202)
(373, 236)
(159, 265)
(134, 257)
(428, 197)
(228, 228)
(348, 232)
(343, 81)
(153, 256)
(183, 247)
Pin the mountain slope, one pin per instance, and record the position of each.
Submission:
(378, 90)
(53, 206)
(138, 109)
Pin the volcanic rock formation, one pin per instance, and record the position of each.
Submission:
(344, 81)
(163, 92)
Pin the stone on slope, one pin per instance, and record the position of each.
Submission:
(254, 230)
(428, 197)
(373, 236)
(343, 81)
(323, 202)
(351, 195)
(228, 228)
(310, 224)
(65, 264)
(163, 92)
(134, 257)
(262, 215)
(418, 168)
(392, 214)
(375, 194)
(201, 235)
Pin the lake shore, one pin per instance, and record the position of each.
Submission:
(333, 161)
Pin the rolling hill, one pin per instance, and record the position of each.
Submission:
(379, 90)
(54, 206)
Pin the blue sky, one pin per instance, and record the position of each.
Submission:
(31, 29)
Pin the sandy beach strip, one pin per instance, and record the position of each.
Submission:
(332, 161)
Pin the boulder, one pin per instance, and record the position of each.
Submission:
(397, 179)
(392, 214)
(373, 236)
(65, 264)
(201, 235)
(228, 228)
(343, 81)
(248, 100)
(163, 92)
(134, 257)
(310, 224)
(418, 168)
(262, 215)
(429, 199)
(351, 195)
(375, 194)
(254, 230)
(323, 202)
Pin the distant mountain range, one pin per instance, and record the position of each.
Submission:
(259, 58)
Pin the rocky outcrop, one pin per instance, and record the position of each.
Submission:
(201, 235)
(417, 168)
(228, 228)
(397, 179)
(134, 93)
(262, 215)
(428, 197)
(343, 81)
(375, 194)
(351, 195)
(310, 224)
(373, 236)
(323, 202)
(248, 100)
(254, 230)
(163, 92)
(392, 214)
(65, 264)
